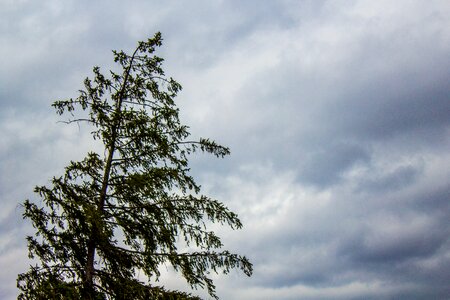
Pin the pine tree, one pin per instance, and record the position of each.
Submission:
(132, 208)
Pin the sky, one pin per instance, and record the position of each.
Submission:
(337, 114)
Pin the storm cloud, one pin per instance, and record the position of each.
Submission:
(337, 114)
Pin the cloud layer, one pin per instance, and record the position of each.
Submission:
(337, 114)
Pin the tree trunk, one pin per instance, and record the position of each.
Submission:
(88, 282)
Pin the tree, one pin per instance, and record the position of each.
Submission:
(134, 206)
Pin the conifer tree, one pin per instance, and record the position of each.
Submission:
(133, 207)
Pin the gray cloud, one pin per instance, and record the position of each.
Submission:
(337, 114)
(394, 180)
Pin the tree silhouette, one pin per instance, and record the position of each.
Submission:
(134, 206)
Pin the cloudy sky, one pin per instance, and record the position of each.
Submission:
(337, 114)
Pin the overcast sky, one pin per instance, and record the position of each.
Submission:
(337, 114)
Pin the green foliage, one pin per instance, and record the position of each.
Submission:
(133, 208)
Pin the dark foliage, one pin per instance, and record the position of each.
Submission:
(133, 207)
